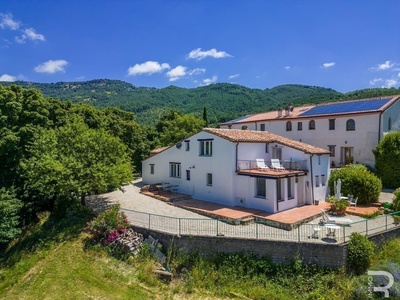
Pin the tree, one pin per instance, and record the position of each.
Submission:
(74, 160)
(9, 219)
(174, 127)
(387, 160)
(205, 119)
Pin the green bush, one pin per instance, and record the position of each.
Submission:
(357, 181)
(10, 207)
(108, 225)
(359, 253)
(396, 200)
(387, 160)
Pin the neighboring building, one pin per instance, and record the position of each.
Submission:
(219, 165)
(349, 129)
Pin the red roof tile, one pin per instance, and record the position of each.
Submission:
(251, 136)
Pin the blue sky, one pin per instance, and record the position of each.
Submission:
(343, 45)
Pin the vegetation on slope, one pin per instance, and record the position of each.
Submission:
(55, 259)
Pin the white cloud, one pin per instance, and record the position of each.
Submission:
(234, 76)
(29, 34)
(287, 67)
(328, 65)
(9, 78)
(148, 67)
(208, 81)
(389, 83)
(385, 66)
(6, 21)
(52, 66)
(197, 71)
(375, 81)
(199, 55)
(176, 73)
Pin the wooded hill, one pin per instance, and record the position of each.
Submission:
(223, 101)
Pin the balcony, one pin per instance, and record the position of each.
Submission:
(291, 168)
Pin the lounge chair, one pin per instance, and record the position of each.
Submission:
(275, 164)
(353, 202)
(261, 164)
(334, 220)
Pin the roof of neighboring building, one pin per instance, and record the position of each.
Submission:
(326, 109)
(251, 136)
(158, 150)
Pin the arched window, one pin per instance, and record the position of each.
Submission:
(288, 126)
(350, 125)
(311, 125)
(390, 124)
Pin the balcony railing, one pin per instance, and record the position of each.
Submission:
(289, 165)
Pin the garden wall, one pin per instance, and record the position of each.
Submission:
(322, 254)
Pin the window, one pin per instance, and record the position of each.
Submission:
(317, 180)
(261, 190)
(174, 169)
(279, 190)
(323, 181)
(209, 179)
(331, 148)
(319, 159)
(288, 126)
(187, 145)
(277, 152)
(299, 126)
(290, 188)
(331, 124)
(266, 148)
(311, 125)
(390, 124)
(151, 168)
(206, 148)
(188, 175)
(244, 127)
(262, 127)
(350, 125)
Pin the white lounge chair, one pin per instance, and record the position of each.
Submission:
(261, 164)
(275, 164)
(353, 202)
(335, 220)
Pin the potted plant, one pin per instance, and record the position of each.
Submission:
(396, 219)
(339, 206)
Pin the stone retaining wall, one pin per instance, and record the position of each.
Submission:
(326, 255)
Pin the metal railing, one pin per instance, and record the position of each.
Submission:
(289, 165)
(258, 230)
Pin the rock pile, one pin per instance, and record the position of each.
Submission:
(130, 242)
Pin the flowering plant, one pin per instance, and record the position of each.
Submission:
(108, 225)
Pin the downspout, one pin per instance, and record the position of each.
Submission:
(312, 179)
(380, 121)
(237, 149)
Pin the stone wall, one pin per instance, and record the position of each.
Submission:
(326, 255)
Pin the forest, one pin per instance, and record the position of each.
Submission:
(224, 101)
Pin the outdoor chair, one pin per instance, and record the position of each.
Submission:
(261, 164)
(275, 164)
(353, 202)
(326, 219)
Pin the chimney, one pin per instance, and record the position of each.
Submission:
(279, 112)
(287, 111)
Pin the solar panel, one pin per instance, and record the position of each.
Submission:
(346, 107)
(238, 119)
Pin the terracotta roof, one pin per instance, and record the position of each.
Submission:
(158, 150)
(297, 111)
(251, 136)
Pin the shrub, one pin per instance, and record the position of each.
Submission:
(359, 253)
(396, 200)
(387, 160)
(357, 181)
(10, 207)
(108, 225)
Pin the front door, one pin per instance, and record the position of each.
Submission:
(347, 155)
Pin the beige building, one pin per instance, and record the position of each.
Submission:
(350, 130)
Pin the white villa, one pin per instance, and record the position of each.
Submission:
(227, 166)
(350, 130)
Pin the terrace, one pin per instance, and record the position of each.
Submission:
(291, 168)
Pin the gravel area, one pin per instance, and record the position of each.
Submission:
(132, 199)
